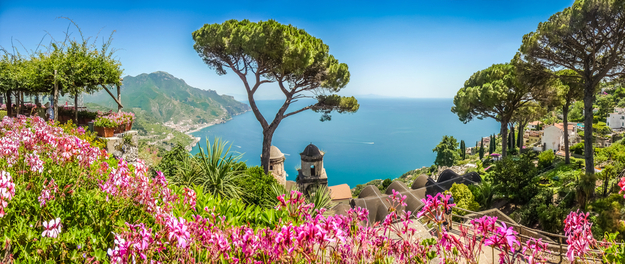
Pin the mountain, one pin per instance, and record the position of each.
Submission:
(161, 97)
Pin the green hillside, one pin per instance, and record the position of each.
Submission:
(161, 97)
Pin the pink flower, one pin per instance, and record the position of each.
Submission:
(7, 190)
(579, 235)
(53, 228)
(189, 197)
(177, 230)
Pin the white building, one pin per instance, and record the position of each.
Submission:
(553, 136)
(616, 120)
(533, 125)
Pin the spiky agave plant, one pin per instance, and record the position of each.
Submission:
(187, 173)
(216, 172)
(320, 197)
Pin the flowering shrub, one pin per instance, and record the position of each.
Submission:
(80, 205)
(105, 121)
(117, 118)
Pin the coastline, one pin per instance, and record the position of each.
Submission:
(199, 127)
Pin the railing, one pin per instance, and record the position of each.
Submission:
(556, 243)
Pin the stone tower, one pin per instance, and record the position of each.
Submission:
(276, 165)
(312, 173)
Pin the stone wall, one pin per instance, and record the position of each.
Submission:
(124, 145)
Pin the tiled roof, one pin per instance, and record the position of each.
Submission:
(561, 126)
(340, 192)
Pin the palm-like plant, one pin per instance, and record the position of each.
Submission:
(213, 170)
(217, 170)
(187, 173)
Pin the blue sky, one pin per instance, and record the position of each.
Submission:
(419, 49)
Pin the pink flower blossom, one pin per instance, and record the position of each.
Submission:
(177, 230)
(580, 240)
(53, 228)
(7, 191)
(189, 197)
(36, 164)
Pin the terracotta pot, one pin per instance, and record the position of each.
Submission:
(105, 131)
(120, 129)
(129, 126)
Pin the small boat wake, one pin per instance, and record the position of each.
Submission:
(368, 143)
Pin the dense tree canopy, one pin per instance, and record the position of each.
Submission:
(270, 52)
(73, 65)
(496, 92)
(446, 152)
(588, 38)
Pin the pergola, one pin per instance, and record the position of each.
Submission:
(72, 68)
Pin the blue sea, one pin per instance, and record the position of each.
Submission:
(384, 139)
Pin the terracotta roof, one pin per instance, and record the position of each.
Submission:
(535, 123)
(561, 126)
(340, 192)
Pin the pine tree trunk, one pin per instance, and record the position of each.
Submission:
(504, 139)
(589, 97)
(520, 136)
(265, 156)
(9, 108)
(76, 109)
(565, 123)
(56, 99)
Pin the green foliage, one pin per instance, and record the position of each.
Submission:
(545, 159)
(320, 198)
(578, 148)
(496, 92)
(80, 65)
(275, 53)
(256, 186)
(585, 188)
(515, 179)
(104, 122)
(215, 170)
(446, 151)
(237, 212)
(483, 194)
(615, 253)
(463, 198)
(576, 114)
(3, 114)
(386, 183)
(601, 128)
(463, 150)
(556, 45)
(607, 215)
(172, 160)
(606, 105)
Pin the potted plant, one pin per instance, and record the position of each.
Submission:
(119, 119)
(104, 126)
(129, 118)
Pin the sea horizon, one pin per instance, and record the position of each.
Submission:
(384, 139)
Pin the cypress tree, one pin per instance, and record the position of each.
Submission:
(513, 132)
(491, 146)
(463, 149)
(482, 149)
